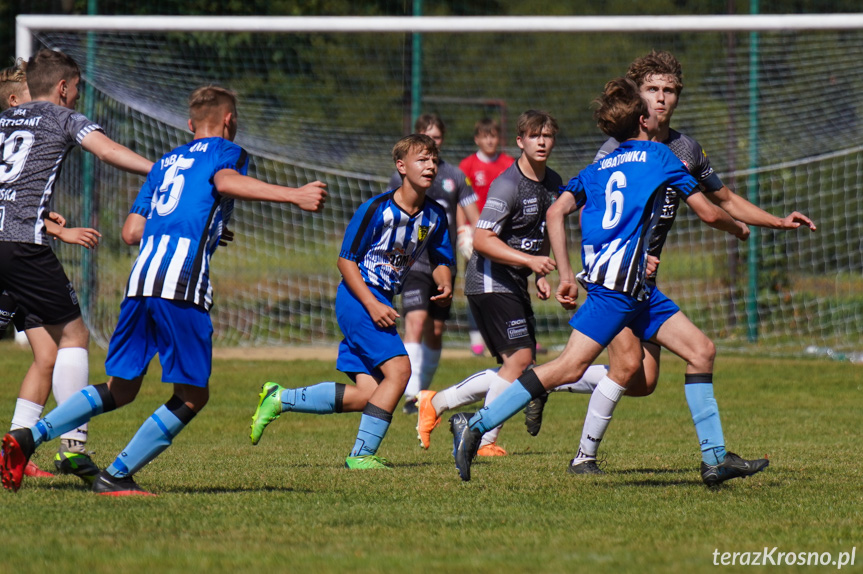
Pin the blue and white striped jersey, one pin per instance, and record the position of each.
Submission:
(696, 161)
(623, 196)
(185, 215)
(385, 241)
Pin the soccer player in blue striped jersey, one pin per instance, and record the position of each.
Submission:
(178, 219)
(386, 235)
(622, 198)
(659, 76)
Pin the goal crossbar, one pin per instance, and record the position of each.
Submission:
(27, 24)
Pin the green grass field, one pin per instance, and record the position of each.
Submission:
(288, 505)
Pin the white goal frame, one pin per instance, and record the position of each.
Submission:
(26, 24)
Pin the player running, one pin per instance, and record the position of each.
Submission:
(386, 235)
(636, 362)
(622, 198)
(177, 218)
(36, 136)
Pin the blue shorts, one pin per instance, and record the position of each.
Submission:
(607, 312)
(365, 346)
(179, 331)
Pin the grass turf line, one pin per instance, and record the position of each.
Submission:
(288, 504)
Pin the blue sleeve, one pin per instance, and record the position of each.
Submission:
(359, 232)
(576, 188)
(143, 203)
(232, 156)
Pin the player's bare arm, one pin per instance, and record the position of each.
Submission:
(555, 224)
(56, 218)
(382, 314)
(442, 276)
(83, 236)
(743, 210)
(231, 183)
(133, 229)
(115, 154)
(543, 289)
(489, 245)
(715, 217)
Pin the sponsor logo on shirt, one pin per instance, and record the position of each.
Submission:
(448, 185)
(398, 258)
(495, 205)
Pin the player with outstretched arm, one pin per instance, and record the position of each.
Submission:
(37, 131)
(622, 197)
(177, 218)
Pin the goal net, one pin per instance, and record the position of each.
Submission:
(778, 113)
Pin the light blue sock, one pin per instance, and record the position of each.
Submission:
(72, 413)
(512, 400)
(705, 415)
(154, 436)
(319, 399)
(373, 427)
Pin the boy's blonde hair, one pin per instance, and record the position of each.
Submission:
(208, 103)
(414, 142)
(13, 80)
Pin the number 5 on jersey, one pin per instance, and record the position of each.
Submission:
(166, 199)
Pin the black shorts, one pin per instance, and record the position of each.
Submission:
(505, 321)
(34, 278)
(11, 313)
(417, 291)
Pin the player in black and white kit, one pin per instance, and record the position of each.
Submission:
(425, 321)
(35, 138)
(635, 362)
(509, 245)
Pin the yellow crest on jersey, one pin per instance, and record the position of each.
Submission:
(423, 233)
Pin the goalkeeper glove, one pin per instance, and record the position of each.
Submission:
(464, 243)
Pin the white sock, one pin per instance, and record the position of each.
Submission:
(71, 374)
(431, 359)
(415, 354)
(26, 414)
(599, 411)
(498, 386)
(466, 392)
(476, 338)
(587, 382)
